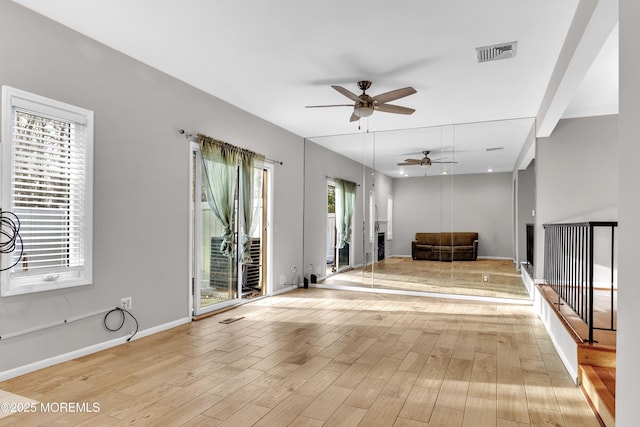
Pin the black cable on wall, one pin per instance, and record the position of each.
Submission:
(10, 232)
(123, 314)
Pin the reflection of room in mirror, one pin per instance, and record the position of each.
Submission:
(456, 278)
(451, 191)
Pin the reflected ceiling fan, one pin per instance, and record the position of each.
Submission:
(425, 161)
(365, 105)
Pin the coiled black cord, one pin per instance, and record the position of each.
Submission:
(10, 231)
(123, 313)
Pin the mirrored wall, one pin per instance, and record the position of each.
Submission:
(428, 210)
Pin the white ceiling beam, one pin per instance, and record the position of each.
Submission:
(592, 24)
(528, 151)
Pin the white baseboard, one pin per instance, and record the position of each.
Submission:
(496, 257)
(25, 369)
(286, 288)
(562, 341)
(528, 281)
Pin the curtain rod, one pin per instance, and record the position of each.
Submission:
(194, 138)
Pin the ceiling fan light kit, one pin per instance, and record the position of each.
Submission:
(364, 104)
(363, 110)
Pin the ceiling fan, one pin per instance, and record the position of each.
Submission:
(425, 161)
(365, 105)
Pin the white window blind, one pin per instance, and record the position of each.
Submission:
(48, 189)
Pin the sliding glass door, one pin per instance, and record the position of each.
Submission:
(215, 273)
(222, 272)
(339, 225)
(254, 269)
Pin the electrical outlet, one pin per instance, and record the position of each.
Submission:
(126, 303)
(485, 277)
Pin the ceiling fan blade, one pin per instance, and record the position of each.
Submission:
(408, 164)
(332, 105)
(393, 109)
(413, 161)
(394, 94)
(352, 96)
(442, 161)
(354, 117)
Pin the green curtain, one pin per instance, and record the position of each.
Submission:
(251, 165)
(219, 166)
(339, 194)
(219, 161)
(345, 201)
(349, 202)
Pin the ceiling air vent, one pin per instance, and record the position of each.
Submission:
(497, 51)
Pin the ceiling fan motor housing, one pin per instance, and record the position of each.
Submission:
(364, 108)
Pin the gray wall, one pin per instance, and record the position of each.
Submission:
(384, 187)
(321, 163)
(576, 175)
(477, 202)
(141, 183)
(526, 206)
(628, 351)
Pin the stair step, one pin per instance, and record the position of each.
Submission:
(599, 384)
(608, 378)
(597, 355)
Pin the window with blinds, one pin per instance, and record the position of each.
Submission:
(46, 183)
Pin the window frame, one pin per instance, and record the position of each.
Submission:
(389, 217)
(11, 282)
(373, 235)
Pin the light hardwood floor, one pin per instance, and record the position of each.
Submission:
(455, 278)
(318, 357)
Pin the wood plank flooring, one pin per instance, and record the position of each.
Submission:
(455, 278)
(319, 357)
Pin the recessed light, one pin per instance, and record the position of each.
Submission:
(490, 170)
(444, 172)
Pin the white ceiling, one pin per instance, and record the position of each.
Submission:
(272, 58)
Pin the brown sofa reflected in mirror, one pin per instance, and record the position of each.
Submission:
(445, 246)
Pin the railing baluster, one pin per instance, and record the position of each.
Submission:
(561, 262)
(590, 322)
(612, 275)
(572, 280)
(569, 268)
(585, 271)
(582, 269)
